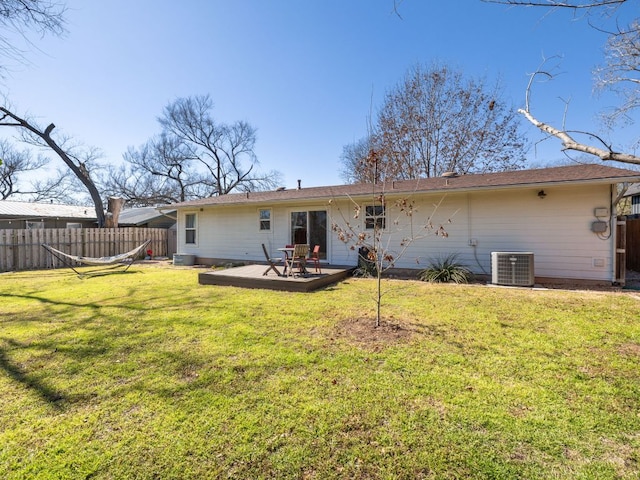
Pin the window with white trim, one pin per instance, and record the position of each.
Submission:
(264, 216)
(374, 217)
(190, 225)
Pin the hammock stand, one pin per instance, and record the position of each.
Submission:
(127, 258)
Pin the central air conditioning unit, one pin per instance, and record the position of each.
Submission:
(512, 268)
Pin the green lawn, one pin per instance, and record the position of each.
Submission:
(150, 375)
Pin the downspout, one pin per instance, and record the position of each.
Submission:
(613, 225)
(615, 200)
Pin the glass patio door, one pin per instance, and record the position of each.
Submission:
(310, 227)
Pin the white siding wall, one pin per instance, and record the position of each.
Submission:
(233, 233)
(557, 229)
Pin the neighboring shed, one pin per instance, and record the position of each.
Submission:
(565, 216)
(152, 217)
(28, 215)
(149, 217)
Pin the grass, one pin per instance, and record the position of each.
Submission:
(150, 375)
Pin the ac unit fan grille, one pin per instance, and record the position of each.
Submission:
(512, 268)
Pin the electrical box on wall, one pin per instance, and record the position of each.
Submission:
(600, 212)
(598, 227)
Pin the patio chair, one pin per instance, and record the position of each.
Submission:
(299, 258)
(271, 261)
(315, 258)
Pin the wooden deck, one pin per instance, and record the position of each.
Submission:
(251, 276)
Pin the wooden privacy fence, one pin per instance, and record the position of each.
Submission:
(22, 249)
(633, 244)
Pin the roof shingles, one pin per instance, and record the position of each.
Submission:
(512, 179)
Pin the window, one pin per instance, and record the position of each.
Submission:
(74, 225)
(265, 219)
(374, 217)
(34, 225)
(190, 228)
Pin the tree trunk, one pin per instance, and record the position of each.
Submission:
(114, 206)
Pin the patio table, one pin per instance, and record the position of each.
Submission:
(288, 262)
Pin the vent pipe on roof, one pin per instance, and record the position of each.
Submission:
(299, 184)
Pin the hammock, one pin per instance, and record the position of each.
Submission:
(97, 261)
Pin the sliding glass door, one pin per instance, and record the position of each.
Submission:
(310, 227)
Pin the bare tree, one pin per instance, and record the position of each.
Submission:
(79, 162)
(137, 187)
(193, 157)
(382, 230)
(58, 186)
(21, 17)
(621, 71)
(159, 172)
(16, 164)
(225, 153)
(619, 74)
(19, 164)
(354, 156)
(435, 121)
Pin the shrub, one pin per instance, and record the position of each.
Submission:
(445, 270)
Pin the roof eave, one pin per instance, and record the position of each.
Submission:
(396, 191)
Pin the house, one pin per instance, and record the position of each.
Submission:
(29, 215)
(633, 193)
(564, 216)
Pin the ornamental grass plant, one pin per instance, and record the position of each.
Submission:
(148, 374)
(445, 270)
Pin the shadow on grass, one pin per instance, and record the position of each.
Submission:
(94, 306)
(14, 371)
(115, 270)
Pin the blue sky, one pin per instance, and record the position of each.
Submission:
(305, 73)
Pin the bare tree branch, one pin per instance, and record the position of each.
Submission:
(573, 5)
(620, 74)
(25, 16)
(568, 143)
(36, 136)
